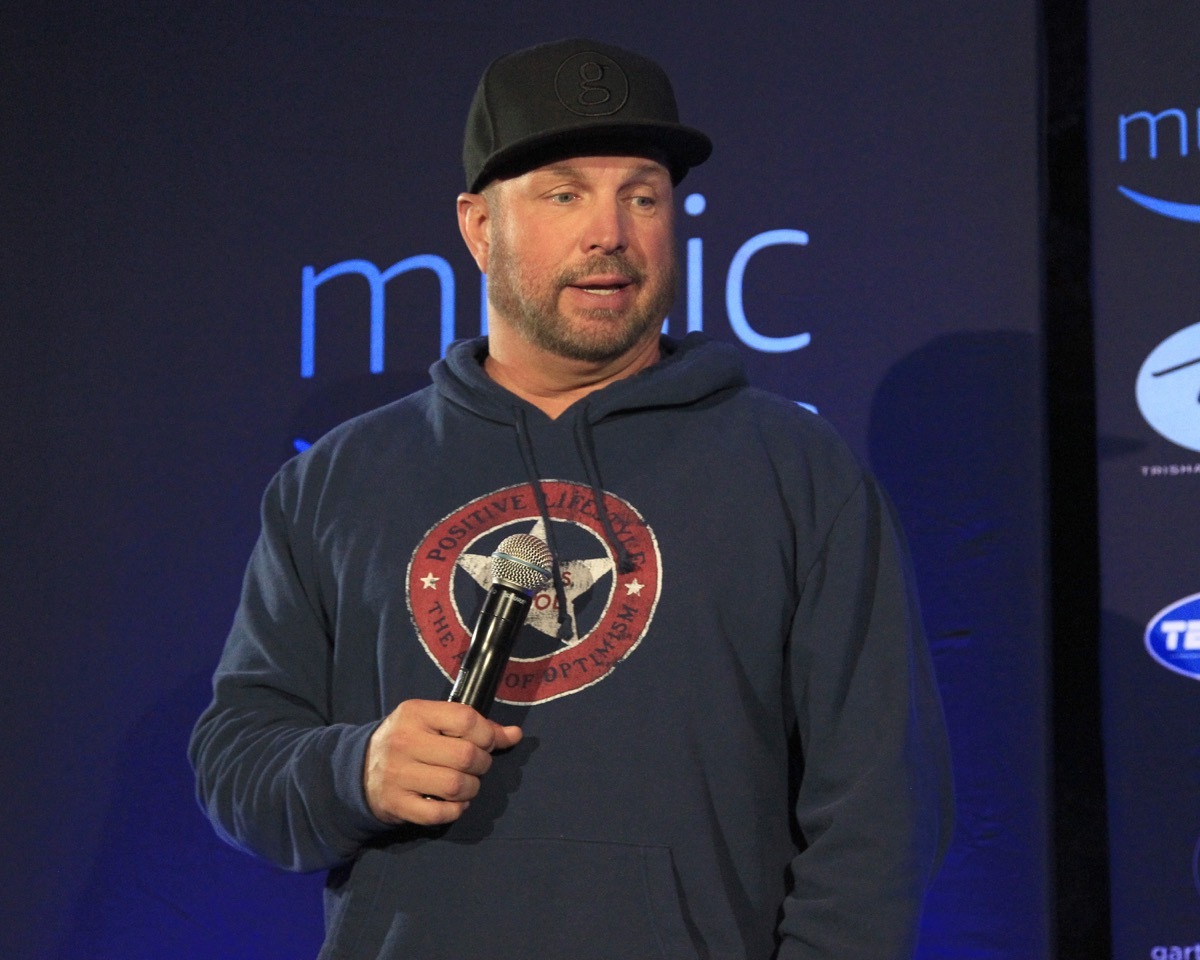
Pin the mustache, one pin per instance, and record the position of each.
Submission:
(605, 263)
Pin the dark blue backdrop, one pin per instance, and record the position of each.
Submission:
(169, 172)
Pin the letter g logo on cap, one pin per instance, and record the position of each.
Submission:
(591, 85)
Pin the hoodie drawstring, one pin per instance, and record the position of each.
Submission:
(585, 443)
(587, 454)
(539, 496)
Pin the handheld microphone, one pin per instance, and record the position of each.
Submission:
(520, 568)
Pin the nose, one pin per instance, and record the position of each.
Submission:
(607, 228)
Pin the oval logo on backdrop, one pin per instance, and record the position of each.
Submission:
(1173, 636)
(1168, 388)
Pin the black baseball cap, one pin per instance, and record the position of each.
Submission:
(573, 98)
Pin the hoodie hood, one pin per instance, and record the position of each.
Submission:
(690, 370)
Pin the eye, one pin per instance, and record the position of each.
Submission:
(643, 202)
(561, 198)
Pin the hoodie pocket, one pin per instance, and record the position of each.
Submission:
(512, 899)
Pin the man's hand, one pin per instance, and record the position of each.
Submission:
(425, 760)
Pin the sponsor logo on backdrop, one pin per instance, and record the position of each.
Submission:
(1190, 951)
(1145, 136)
(1171, 470)
(1168, 388)
(1173, 636)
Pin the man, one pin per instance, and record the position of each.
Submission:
(719, 734)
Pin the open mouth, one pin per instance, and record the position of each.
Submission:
(603, 286)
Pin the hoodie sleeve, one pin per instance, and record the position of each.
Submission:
(275, 776)
(874, 805)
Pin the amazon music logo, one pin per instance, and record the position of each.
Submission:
(377, 282)
(1167, 135)
(694, 267)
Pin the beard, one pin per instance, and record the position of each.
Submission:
(598, 335)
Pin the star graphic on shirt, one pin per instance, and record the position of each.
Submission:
(430, 581)
(578, 578)
(634, 588)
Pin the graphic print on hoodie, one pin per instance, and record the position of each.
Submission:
(607, 612)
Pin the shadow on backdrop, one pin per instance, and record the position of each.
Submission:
(163, 884)
(956, 436)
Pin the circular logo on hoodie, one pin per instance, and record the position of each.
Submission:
(567, 643)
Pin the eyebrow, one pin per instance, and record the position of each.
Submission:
(571, 171)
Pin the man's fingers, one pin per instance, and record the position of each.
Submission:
(428, 810)
(424, 761)
(453, 754)
(505, 737)
(465, 723)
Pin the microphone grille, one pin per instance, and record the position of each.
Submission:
(523, 561)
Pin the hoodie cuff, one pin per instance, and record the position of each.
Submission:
(348, 762)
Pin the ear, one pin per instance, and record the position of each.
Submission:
(474, 219)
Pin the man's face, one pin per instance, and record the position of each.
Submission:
(581, 260)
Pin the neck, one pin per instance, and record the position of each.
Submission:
(553, 383)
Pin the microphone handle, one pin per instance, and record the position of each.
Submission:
(500, 620)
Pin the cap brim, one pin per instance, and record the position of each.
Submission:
(677, 146)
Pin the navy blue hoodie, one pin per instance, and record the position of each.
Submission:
(733, 741)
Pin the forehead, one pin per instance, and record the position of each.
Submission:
(600, 167)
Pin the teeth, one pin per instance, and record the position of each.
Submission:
(602, 291)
